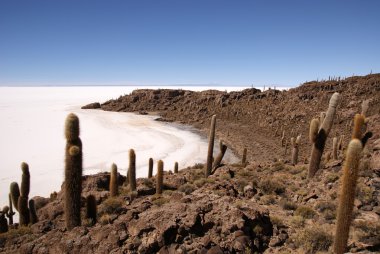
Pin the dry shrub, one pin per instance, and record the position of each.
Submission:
(305, 211)
(187, 188)
(313, 239)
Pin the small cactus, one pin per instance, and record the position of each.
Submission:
(219, 157)
(10, 212)
(15, 194)
(114, 187)
(244, 158)
(91, 210)
(347, 195)
(159, 177)
(32, 212)
(295, 144)
(335, 148)
(359, 123)
(176, 167)
(73, 173)
(132, 170)
(319, 137)
(150, 169)
(210, 146)
(3, 222)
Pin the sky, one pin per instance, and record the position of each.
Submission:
(199, 42)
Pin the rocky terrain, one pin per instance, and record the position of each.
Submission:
(266, 205)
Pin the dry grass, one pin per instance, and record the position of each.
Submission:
(305, 212)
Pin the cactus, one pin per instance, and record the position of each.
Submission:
(244, 158)
(15, 194)
(295, 143)
(218, 159)
(132, 170)
(114, 187)
(3, 222)
(159, 177)
(319, 137)
(365, 107)
(176, 167)
(335, 148)
(340, 143)
(91, 211)
(24, 195)
(210, 146)
(150, 169)
(73, 173)
(10, 212)
(359, 122)
(32, 212)
(322, 116)
(23, 210)
(347, 195)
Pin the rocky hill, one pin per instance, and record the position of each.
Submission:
(266, 205)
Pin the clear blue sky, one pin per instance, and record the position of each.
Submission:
(186, 41)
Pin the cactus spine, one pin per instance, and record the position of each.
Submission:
(150, 169)
(15, 194)
(319, 138)
(132, 170)
(23, 199)
(176, 167)
(114, 187)
(335, 148)
(32, 212)
(159, 177)
(244, 158)
(73, 172)
(91, 209)
(295, 143)
(347, 195)
(210, 146)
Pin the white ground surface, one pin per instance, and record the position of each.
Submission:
(31, 130)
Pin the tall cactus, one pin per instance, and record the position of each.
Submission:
(32, 212)
(244, 158)
(159, 177)
(295, 144)
(347, 195)
(150, 169)
(210, 146)
(132, 170)
(114, 187)
(176, 167)
(73, 172)
(91, 209)
(24, 195)
(15, 194)
(319, 137)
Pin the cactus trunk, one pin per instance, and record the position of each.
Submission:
(176, 167)
(73, 173)
(114, 187)
(244, 158)
(335, 148)
(159, 177)
(150, 169)
(319, 138)
(24, 195)
(218, 159)
(132, 170)
(15, 194)
(347, 195)
(32, 212)
(10, 213)
(210, 146)
(91, 209)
